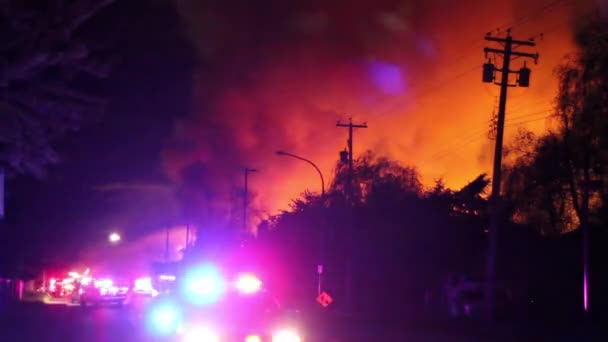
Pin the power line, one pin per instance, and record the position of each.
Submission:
(517, 117)
(479, 132)
(454, 148)
(470, 139)
(433, 86)
(548, 7)
(519, 123)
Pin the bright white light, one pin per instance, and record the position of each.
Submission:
(114, 237)
(143, 284)
(286, 336)
(86, 280)
(201, 334)
(253, 338)
(248, 284)
(103, 283)
(167, 277)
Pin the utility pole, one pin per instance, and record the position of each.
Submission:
(350, 125)
(523, 80)
(349, 188)
(247, 171)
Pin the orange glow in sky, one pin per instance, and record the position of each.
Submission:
(412, 72)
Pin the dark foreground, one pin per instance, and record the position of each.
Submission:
(39, 322)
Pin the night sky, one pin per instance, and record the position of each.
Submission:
(111, 169)
(226, 83)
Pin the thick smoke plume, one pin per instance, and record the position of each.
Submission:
(277, 75)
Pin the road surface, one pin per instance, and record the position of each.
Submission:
(62, 323)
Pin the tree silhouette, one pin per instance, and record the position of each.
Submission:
(561, 182)
(43, 65)
(406, 238)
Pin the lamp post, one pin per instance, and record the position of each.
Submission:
(283, 153)
(246, 197)
(321, 237)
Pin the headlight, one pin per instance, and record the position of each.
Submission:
(248, 283)
(201, 334)
(286, 335)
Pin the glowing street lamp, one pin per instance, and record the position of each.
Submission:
(114, 237)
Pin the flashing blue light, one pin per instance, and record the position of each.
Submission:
(204, 285)
(164, 319)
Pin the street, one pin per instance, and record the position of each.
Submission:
(40, 322)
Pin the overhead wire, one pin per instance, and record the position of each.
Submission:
(548, 7)
(478, 134)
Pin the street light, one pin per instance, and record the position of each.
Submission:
(114, 237)
(321, 236)
(283, 153)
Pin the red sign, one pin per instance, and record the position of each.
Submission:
(324, 299)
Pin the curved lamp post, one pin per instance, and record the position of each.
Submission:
(321, 236)
(283, 153)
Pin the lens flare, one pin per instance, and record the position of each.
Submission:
(253, 338)
(248, 284)
(204, 285)
(286, 335)
(163, 319)
(201, 334)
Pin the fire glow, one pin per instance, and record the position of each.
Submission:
(424, 106)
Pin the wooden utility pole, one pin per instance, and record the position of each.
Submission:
(523, 80)
(350, 231)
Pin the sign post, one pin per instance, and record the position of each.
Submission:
(1, 193)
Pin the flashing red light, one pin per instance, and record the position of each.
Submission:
(248, 283)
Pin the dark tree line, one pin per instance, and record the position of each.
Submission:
(45, 65)
(402, 240)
